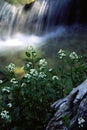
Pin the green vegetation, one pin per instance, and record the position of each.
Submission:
(25, 101)
(19, 1)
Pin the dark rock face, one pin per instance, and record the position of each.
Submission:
(28, 6)
(66, 12)
(71, 112)
(83, 11)
(78, 11)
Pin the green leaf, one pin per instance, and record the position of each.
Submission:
(28, 54)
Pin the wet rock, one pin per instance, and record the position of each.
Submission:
(71, 112)
(28, 6)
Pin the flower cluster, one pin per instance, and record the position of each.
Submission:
(1, 81)
(32, 51)
(9, 105)
(73, 56)
(27, 76)
(50, 70)
(27, 66)
(61, 54)
(34, 72)
(14, 81)
(81, 121)
(6, 89)
(5, 115)
(42, 63)
(11, 67)
(42, 75)
(55, 77)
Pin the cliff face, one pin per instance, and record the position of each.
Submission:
(71, 112)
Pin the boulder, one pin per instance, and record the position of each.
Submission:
(71, 111)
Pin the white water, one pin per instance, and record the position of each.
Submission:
(20, 41)
(18, 27)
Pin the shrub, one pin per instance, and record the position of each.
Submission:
(25, 102)
(72, 70)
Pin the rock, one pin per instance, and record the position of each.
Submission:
(28, 6)
(78, 11)
(71, 112)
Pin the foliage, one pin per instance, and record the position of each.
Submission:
(66, 120)
(19, 1)
(72, 70)
(25, 102)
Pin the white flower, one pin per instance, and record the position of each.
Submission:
(11, 67)
(42, 75)
(30, 48)
(13, 80)
(55, 77)
(81, 121)
(5, 115)
(28, 76)
(34, 54)
(33, 72)
(28, 64)
(50, 70)
(61, 53)
(43, 62)
(1, 81)
(6, 89)
(23, 84)
(9, 105)
(73, 56)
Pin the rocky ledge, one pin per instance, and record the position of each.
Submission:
(71, 111)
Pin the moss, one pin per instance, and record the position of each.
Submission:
(19, 2)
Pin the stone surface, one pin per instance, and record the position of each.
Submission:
(71, 112)
(28, 6)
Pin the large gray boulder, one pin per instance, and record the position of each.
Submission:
(71, 112)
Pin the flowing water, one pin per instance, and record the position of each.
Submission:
(49, 24)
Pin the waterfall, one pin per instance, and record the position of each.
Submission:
(10, 19)
(44, 16)
(48, 15)
(52, 13)
(15, 19)
(43, 19)
(41, 16)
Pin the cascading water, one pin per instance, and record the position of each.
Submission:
(52, 13)
(46, 19)
(19, 28)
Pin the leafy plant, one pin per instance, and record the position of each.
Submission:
(72, 70)
(66, 120)
(25, 102)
